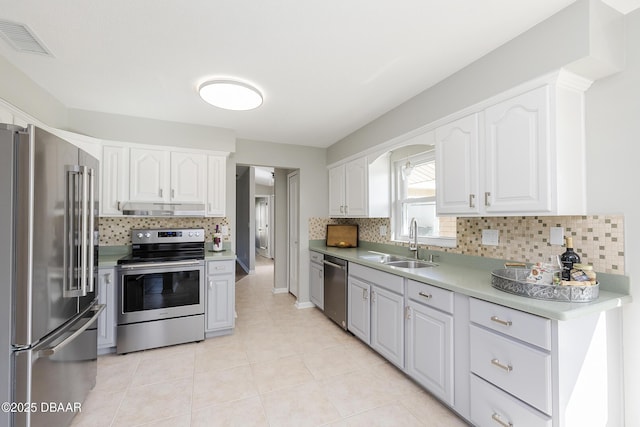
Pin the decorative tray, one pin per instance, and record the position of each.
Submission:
(514, 281)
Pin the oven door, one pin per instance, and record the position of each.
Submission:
(154, 291)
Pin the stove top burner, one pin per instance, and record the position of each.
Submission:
(161, 245)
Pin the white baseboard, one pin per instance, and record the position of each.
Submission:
(301, 305)
(280, 290)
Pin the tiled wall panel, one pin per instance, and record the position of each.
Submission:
(598, 239)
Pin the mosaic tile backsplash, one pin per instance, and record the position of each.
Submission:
(598, 239)
(116, 231)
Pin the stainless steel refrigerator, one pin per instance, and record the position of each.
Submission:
(48, 271)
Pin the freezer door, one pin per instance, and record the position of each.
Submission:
(54, 245)
(55, 377)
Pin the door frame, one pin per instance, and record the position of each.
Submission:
(293, 222)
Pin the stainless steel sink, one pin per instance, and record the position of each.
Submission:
(410, 264)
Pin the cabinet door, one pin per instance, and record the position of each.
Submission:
(220, 295)
(517, 154)
(316, 284)
(359, 311)
(149, 175)
(115, 179)
(355, 193)
(430, 350)
(387, 325)
(107, 319)
(188, 177)
(216, 185)
(457, 167)
(336, 191)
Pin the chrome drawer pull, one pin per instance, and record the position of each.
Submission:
(502, 322)
(422, 294)
(496, 417)
(496, 362)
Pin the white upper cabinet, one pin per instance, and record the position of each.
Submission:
(138, 173)
(457, 165)
(216, 185)
(149, 175)
(516, 147)
(188, 177)
(522, 154)
(115, 179)
(360, 188)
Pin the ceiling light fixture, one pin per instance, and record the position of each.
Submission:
(230, 95)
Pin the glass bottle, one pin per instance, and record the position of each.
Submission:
(568, 258)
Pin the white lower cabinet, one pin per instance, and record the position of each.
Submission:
(429, 339)
(494, 365)
(107, 321)
(492, 407)
(316, 280)
(376, 311)
(220, 296)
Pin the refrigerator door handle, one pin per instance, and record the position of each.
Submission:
(83, 231)
(72, 285)
(90, 236)
(48, 352)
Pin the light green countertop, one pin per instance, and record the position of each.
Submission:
(472, 276)
(109, 255)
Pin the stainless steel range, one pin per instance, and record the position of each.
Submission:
(161, 289)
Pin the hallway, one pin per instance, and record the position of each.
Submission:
(281, 367)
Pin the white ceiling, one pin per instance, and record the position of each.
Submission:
(326, 67)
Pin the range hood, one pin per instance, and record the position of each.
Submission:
(163, 209)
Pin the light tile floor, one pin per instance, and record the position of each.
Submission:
(281, 367)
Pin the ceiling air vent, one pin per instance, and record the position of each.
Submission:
(21, 38)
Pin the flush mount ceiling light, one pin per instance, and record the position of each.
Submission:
(230, 95)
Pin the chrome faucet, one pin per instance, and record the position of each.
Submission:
(413, 234)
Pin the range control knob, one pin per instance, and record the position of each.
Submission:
(139, 235)
(197, 234)
(147, 235)
(190, 234)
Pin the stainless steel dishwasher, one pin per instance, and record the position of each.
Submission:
(335, 290)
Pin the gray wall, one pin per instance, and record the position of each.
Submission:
(21, 92)
(245, 216)
(149, 131)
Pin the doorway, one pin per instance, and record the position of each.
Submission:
(264, 225)
(261, 192)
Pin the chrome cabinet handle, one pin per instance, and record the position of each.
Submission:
(472, 198)
(173, 193)
(364, 294)
(408, 312)
(341, 208)
(160, 193)
(427, 296)
(373, 295)
(210, 284)
(500, 321)
(487, 194)
(107, 278)
(497, 418)
(496, 362)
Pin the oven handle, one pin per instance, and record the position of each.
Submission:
(159, 264)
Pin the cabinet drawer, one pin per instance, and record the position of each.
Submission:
(221, 267)
(388, 281)
(517, 368)
(527, 327)
(316, 257)
(492, 407)
(432, 296)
